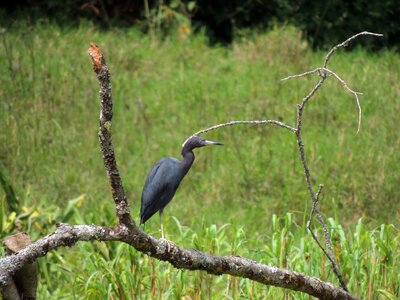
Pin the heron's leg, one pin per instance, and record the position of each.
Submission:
(162, 232)
(162, 227)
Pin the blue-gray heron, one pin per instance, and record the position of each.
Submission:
(164, 179)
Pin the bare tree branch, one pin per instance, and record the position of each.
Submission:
(251, 122)
(355, 94)
(322, 72)
(316, 70)
(309, 223)
(329, 255)
(106, 113)
(68, 235)
(345, 43)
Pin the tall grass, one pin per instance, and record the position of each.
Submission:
(247, 198)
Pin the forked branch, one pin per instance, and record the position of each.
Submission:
(323, 73)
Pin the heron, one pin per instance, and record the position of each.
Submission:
(164, 178)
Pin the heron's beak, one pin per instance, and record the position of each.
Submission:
(209, 143)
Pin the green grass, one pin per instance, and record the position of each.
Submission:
(247, 198)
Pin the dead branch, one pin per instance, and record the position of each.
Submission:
(322, 72)
(106, 146)
(126, 231)
(346, 42)
(67, 235)
(300, 109)
(251, 122)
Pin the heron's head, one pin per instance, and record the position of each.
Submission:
(197, 142)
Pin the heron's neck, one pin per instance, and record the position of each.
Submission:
(187, 161)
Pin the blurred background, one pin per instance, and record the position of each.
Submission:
(178, 67)
(322, 23)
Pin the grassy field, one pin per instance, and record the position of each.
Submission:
(247, 198)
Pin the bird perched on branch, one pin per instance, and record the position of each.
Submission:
(165, 177)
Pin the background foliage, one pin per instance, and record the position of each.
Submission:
(247, 198)
(323, 23)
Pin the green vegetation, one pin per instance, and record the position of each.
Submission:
(247, 198)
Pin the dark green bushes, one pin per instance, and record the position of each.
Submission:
(323, 23)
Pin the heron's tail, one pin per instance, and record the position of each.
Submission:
(141, 219)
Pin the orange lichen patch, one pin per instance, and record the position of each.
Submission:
(95, 54)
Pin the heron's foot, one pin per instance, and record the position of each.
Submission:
(167, 243)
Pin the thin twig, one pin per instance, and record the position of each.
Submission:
(252, 122)
(314, 207)
(314, 197)
(355, 94)
(329, 255)
(323, 72)
(301, 75)
(345, 43)
(300, 109)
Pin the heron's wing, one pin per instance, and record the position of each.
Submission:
(160, 187)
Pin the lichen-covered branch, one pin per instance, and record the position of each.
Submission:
(65, 236)
(68, 235)
(106, 146)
